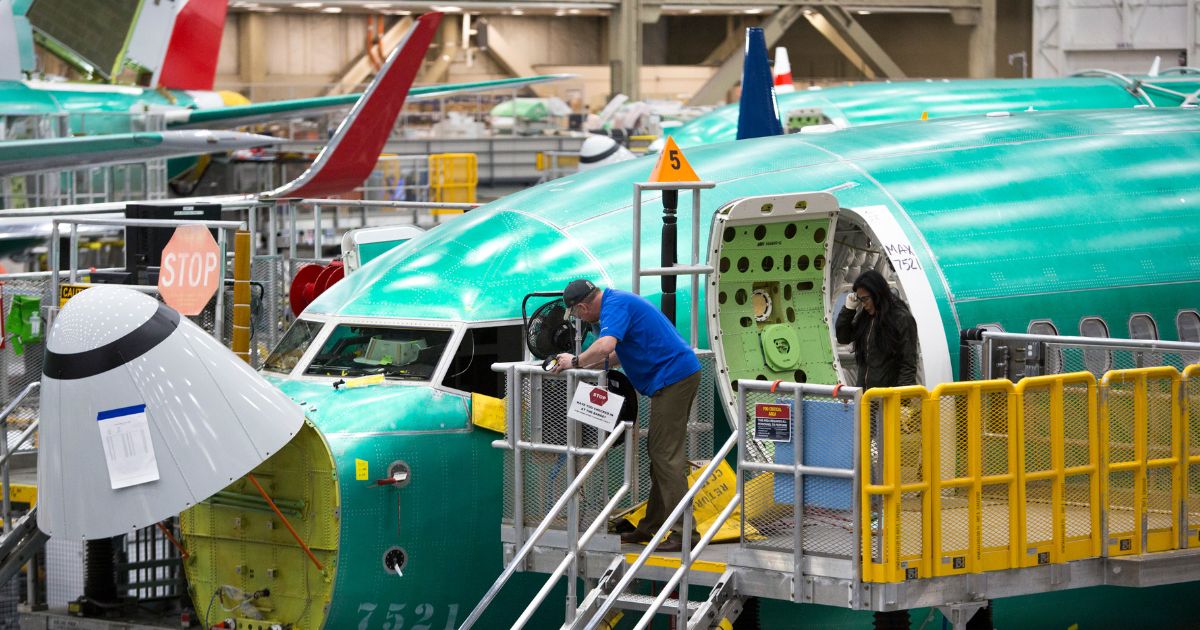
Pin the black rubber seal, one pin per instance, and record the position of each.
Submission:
(65, 367)
(588, 159)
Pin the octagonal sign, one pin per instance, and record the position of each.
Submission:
(190, 269)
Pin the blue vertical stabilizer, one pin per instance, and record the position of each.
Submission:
(758, 115)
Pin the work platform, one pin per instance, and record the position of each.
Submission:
(908, 498)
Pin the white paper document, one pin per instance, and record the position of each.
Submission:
(128, 449)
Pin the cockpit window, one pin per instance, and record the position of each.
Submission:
(410, 354)
(297, 340)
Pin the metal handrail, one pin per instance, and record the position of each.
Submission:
(568, 497)
(572, 553)
(5, 453)
(684, 509)
(685, 565)
(1113, 343)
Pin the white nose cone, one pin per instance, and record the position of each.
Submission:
(599, 150)
(143, 415)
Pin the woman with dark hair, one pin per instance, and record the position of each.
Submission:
(883, 331)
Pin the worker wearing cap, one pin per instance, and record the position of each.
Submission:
(636, 335)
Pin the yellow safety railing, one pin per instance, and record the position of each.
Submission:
(986, 475)
(1140, 417)
(974, 459)
(453, 178)
(895, 484)
(1190, 415)
(1059, 462)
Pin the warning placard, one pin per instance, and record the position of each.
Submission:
(596, 406)
(68, 291)
(773, 422)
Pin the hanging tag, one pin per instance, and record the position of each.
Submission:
(596, 406)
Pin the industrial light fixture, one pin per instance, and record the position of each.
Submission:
(754, 11)
(331, 10)
(864, 12)
(446, 9)
(517, 11)
(573, 11)
(695, 11)
(377, 5)
(307, 5)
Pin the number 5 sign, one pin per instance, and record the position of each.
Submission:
(191, 269)
(672, 166)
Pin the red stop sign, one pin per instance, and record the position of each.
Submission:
(190, 269)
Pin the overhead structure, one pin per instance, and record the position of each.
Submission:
(853, 41)
(359, 70)
(713, 90)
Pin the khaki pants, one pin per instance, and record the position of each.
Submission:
(666, 445)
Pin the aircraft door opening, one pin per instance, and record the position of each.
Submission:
(769, 299)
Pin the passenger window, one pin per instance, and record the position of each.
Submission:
(1096, 361)
(1142, 326)
(1187, 323)
(1053, 352)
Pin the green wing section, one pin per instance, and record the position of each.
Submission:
(31, 156)
(260, 112)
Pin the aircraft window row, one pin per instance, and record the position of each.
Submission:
(1141, 326)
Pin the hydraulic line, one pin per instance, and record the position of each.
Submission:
(286, 523)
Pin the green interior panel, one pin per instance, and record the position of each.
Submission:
(236, 543)
(770, 290)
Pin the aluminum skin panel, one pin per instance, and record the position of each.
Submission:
(885, 102)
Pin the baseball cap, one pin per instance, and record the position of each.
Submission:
(577, 291)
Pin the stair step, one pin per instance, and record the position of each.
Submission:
(634, 601)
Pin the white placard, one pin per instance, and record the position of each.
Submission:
(596, 406)
(128, 449)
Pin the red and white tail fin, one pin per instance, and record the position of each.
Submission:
(354, 149)
(782, 72)
(190, 61)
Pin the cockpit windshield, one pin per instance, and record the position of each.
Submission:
(297, 340)
(397, 353)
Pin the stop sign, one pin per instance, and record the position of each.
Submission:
(190, 269)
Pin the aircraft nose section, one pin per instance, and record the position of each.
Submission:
(143, 415)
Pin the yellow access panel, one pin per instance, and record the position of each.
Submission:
(237, 545)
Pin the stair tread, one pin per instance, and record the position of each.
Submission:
(643, 602)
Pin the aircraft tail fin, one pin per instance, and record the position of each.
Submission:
(190, 62)
(1154, 67)
(758, 114)
(353, 150)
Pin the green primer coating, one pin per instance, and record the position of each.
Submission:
(885, 102)
(1009, 218)
(784, 261)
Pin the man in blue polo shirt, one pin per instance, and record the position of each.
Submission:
(661, 365)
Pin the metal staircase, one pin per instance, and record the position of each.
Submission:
(18, 546)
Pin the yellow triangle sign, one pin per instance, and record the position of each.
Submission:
(672, 166)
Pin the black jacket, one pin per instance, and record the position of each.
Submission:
(880, 362)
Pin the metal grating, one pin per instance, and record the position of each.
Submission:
(825, 438)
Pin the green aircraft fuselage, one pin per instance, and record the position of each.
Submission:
(886, 102)
(1005, 220)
